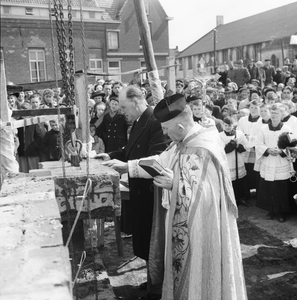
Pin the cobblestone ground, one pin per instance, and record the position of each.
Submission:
(269, 251)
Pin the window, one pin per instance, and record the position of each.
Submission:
(180, 62)
(112, 40)
(6, 9)
(225, 56)
(91, 14)
(95, 60)
(37, 65)
(114, 67)
(29, 11)
(190, 65)
(143, 75)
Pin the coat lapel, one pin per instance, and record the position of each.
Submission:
(139, 128)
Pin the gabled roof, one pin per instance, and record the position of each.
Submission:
(75, 3)
(112, 7)
(272, 24)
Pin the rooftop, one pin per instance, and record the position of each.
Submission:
(267, 26)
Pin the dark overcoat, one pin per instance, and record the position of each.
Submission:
(146, 139)
(113, 131)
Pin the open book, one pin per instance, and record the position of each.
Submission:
(151, 166)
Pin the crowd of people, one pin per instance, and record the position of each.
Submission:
(241, 111)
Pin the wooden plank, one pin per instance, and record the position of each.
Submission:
(80, 101)
(30, 121)
(41, 112)
(51, 84)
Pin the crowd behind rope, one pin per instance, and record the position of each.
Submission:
(249, 105)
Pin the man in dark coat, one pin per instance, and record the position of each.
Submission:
(113, 129)
(146, 139)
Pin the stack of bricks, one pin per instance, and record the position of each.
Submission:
(34, 264)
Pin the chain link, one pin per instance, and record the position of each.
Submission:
(71, 54)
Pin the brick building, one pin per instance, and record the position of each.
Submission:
(265, 35)
(111, 33)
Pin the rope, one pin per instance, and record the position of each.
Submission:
(88, 186)
(82, 260)
(87, 143)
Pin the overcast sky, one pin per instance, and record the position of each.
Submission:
(194, 18)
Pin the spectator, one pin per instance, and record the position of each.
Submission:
(107, 89)
(116, 88)
(98, 144)
(113, 129)
(231, 74)
(48, 99)
(253, 70)
(51, 143)
(242, 75)
(12, 102)
(262, 73)
(98, 97)
(269, 72)
(265, 113)
(278, 76)
(30, 150)
(99, 110)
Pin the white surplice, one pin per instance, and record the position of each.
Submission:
(202, 257)
(271, 167)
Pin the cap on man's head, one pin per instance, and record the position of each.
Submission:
(169, 107)
(267, 59)
(240, 62)
(114, 98)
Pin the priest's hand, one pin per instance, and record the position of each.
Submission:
(165, 180)
(119, 166)
(102, 156)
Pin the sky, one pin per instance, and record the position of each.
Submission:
(192, 19)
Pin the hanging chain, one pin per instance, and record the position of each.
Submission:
(63, 53)
(60, 46)
(71, 55)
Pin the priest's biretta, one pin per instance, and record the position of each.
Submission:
(169, 107)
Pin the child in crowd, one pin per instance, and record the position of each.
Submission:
(199, 115)
(98, 144)
(235, 144)
(265, 113)
(51, 142)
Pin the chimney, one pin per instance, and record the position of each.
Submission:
(220, 20)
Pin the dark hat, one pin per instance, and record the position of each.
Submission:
(191, 98)
(179, 81)
(98, 93)
(114, 98)
(267, 59)
(269, 90)
(169, 107)
(16, 94)
(240, 62)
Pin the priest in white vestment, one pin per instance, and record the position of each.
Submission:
(202, 256)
